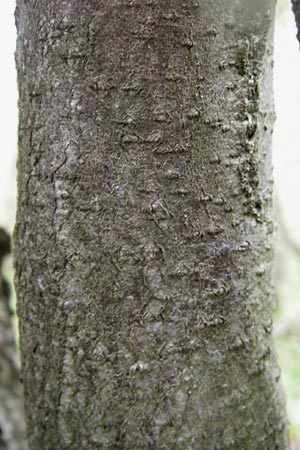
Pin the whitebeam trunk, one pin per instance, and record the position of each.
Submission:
(144, 233)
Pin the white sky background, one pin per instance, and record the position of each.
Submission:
(8, 114)
(286, 144)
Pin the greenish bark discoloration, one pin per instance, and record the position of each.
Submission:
(144, 229)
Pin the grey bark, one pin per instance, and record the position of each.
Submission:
(12, 423)
(144, 234)
(296, 10)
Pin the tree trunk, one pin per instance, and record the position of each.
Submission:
(12, 423)
(144, 236)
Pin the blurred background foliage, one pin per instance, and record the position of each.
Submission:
(286, 158)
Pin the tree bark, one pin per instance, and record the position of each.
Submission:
(144, 234)
(296, 10)
(12, 423)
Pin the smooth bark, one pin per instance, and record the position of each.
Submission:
(144, 235)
